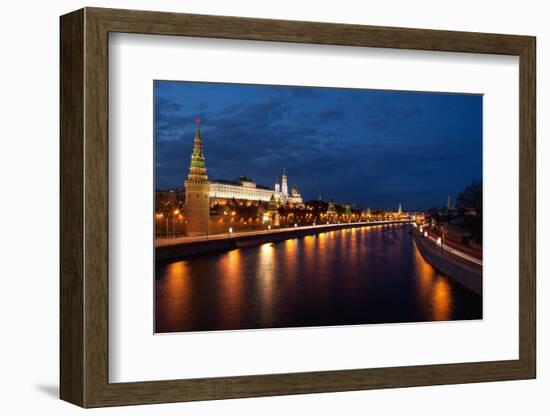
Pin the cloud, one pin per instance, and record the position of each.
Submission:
(354, 145)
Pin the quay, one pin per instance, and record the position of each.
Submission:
(460, 267)
(168, 249)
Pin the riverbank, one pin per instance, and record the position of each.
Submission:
(174, 249)
(469, 276)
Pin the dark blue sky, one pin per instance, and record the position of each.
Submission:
(370, 147)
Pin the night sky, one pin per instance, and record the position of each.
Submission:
(369, 147)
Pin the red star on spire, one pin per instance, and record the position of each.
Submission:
(198, 121)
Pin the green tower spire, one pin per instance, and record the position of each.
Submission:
(272, 203)
(197, 157)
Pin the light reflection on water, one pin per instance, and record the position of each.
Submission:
(352, 276)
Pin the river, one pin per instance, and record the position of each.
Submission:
(361, 275)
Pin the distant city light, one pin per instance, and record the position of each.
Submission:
(230, 230)
(295, 225)
(425, 233)
(439, 241)
(269, 227)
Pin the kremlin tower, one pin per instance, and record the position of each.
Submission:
(285, 185)
(274, 211)
(197, 190)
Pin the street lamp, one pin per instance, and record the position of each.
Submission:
(176, 212)
(159, 216)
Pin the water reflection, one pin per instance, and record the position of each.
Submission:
(434, 291)
(354, 276)
(173, 295)
(229, 270)
(265, 272)
(442, 300)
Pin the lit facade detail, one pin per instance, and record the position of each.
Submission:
(241, 189)
(284, 190)
(245, 189)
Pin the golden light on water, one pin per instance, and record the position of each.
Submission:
(320, 254)
(426, 275)
(266, 252)
(231, 284)
(266, 263)
(177, 273)
(346, 276)
(290, 251)
(176, 291)
(266, 275)
(441, 299)
(433, 289)
(309, 254)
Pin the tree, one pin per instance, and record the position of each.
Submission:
(471, 197)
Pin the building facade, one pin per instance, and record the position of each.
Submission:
(242, 188)
(246, 189)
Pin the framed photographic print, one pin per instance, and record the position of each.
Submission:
(261, 207)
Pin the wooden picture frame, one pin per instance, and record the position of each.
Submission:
(84, 207)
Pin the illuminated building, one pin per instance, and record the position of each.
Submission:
(400, 214)
(331, 211)
(282, 195)
(199, 192)
(246, 189)
(242, 188)
(347, 209)
(197, 189)
(284, 191)
(274, 212)
(294, 197)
